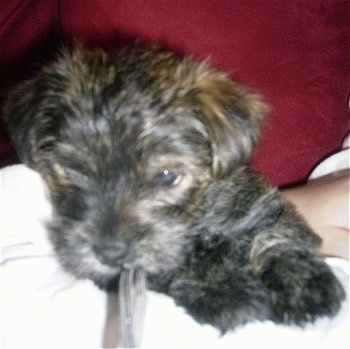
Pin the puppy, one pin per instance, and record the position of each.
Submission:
(146, 156)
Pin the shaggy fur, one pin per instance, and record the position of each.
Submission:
(145, 155)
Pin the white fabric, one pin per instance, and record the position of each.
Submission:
(44, 307)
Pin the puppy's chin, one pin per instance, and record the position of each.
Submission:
(89, 267)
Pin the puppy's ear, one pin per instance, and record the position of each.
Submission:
(232, 118)
(26, 112)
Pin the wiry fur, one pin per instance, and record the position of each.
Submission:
(103, 130)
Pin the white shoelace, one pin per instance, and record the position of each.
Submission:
(132, 305)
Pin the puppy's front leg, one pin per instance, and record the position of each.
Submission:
(283, 253)
(260, 263)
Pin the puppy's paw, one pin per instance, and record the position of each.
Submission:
(302, 287)
(225, 305)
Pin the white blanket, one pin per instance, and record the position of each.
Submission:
(42, 306)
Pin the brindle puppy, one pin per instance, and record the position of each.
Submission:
(146, 158)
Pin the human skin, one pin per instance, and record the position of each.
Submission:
(324, 203)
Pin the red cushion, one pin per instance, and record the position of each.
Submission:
(28, 34)
(295, 53)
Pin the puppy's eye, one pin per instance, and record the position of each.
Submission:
(168, 179)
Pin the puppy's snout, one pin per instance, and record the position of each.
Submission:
(112, 253)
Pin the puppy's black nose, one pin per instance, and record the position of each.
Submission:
(111, 253)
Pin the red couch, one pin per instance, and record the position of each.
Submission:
(296, 53)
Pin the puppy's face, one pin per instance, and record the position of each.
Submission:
(128, 145)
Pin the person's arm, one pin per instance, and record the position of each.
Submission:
(324, 203)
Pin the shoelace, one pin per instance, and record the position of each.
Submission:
(132, 305)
